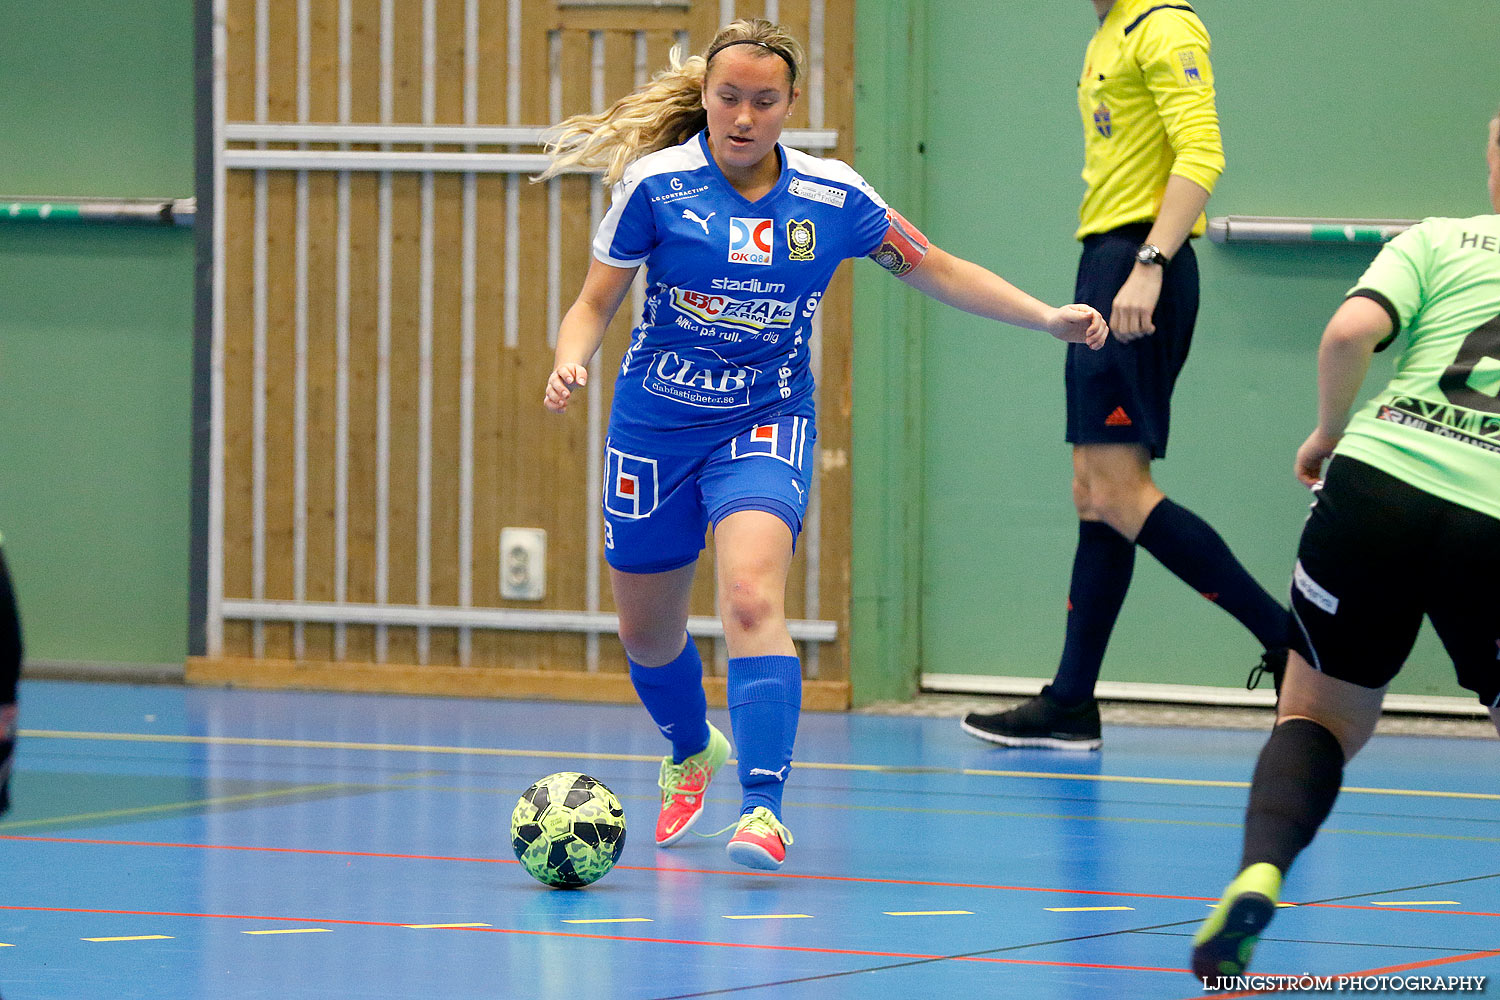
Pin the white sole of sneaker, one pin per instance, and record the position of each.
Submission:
(752, 856)
(1040, 742)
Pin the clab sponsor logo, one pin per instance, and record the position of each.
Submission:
(687, 380)
(750, 241)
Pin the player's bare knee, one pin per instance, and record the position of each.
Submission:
(648, 644)
(747, 605)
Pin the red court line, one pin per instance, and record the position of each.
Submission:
(858, 953)
(1386, 971)
(721, 871)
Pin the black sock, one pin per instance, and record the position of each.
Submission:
(10, 638)
(1102, 567)
(1191, 549)
(10, 675)
(1296, 780)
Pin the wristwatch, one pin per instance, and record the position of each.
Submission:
(1149, 253)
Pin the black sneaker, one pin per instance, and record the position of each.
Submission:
(1273, 662)
(1040, 722)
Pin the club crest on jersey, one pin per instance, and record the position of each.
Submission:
(801, 237)
(629, 484)
(689, 381)
(1101, 120)
(750, 241)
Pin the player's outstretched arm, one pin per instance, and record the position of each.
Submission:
(974, 289)
(582, 330)
(1343, 359)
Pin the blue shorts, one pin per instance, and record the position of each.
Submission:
(659, 503)
(1122, 393)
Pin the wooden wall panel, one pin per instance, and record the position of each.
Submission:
(530, 468)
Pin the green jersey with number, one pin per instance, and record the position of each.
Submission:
(1437, 424)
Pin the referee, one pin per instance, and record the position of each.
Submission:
(1152, 152)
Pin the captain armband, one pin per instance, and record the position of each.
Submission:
(903, 246)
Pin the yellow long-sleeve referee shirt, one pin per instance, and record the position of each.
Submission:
(1147, 100)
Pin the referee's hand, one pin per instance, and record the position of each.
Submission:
(1134, 303)
(1078, 324)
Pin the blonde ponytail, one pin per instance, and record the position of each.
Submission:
(666, 112)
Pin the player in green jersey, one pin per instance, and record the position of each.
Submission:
(1406, 523)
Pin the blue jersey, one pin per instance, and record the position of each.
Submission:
(731, 287)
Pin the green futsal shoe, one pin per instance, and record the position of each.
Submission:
(1223, 945)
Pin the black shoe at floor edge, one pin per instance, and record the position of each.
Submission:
(1040, 722)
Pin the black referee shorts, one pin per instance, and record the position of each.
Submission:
(1122, 394)
(1376, 555)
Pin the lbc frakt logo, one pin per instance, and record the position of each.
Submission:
(750, 241)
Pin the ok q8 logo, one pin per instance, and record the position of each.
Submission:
(750, 241)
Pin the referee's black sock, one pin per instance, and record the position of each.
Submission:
(1296, 780)
(10, 675)
(1192, 550)
(1102, 567)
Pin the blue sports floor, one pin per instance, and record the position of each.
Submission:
(185, 843)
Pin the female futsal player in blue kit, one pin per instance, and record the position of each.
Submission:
(713, 421)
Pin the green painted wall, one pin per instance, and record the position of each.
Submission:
(1345, 108)
(96, 330)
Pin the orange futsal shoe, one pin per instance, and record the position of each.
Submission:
(760, 841)
(683, 785)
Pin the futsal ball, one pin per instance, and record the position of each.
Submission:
(568, 830)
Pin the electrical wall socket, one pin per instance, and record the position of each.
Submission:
(523, 564)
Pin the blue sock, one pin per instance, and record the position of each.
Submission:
(1185, 544)
(673, 694)
(765, 699)
(1102, 566)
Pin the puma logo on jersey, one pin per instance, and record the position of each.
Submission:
(798, 487)
(779, 775)
(688, 213)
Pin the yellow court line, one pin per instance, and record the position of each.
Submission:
(612, 920)
(769, 916)
(4, 945)
(138, 937)
(171, 806)
(1084, 909)
(294, 930)
(427, 927)
(251, 741)
(929, 913)
(1417, 902)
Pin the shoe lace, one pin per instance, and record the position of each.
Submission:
(760, 820)
(674, 776)
(1272, 662)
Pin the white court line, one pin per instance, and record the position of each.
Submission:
(1084, 909)
(612, 920)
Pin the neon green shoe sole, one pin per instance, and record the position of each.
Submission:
(1223, 945)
